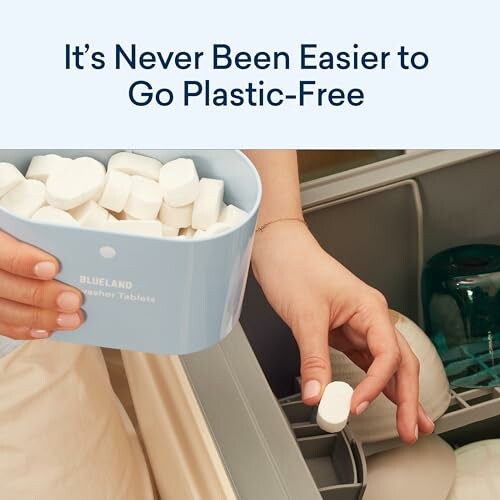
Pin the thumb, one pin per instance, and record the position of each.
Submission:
(315, 367)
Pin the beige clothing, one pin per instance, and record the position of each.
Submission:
(63, 433)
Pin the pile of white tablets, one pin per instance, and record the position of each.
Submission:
(136, 194)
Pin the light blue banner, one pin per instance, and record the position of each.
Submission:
(199, 66)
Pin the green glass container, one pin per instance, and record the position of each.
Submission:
(461, 299)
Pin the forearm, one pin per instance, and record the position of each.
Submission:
(278, 170)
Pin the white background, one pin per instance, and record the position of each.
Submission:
(453, 104)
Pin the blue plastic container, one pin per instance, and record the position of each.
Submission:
(151, 294)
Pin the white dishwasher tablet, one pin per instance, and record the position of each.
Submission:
(169, 231)
(134, 164)
(54, 215)
(81, 181)
(232, 215)
(179, 217)
(179, 182)
(139, 227)
(90, 214)
(25, 199)
(207, 205)
(334, 407)
(10, 177)
(144, 201)
(116, 191)
(43, 165)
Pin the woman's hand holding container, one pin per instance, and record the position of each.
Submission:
(32, 303)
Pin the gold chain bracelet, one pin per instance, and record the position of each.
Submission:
(283, 219)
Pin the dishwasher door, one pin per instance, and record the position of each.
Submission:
(381, 221)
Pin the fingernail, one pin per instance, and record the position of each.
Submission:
(429, 419)
(312, 388)
(68, 301)
(362, 407)
(68, 320)
(39, 334)
(45, 270)
(416, 432)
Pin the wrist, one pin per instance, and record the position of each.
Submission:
(279, 220)
(278, 237)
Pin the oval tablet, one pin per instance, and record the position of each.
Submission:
(25, 199)
(144, 201)
(207, 205)
(10, 177)
(90, 214)
(232, 215)
(334, 407)
(55, 216)
(116, 191)
(81, 181)
(179, 217)
(134, 164)
(179, 182)
(43, 165)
